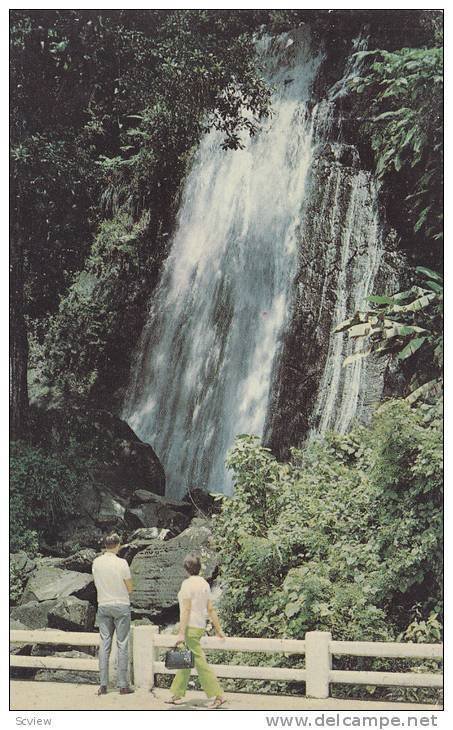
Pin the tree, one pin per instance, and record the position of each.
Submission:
(80, 80)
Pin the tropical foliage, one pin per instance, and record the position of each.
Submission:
(346, 537)
(403, 93)
(407, 325)
(43, 491)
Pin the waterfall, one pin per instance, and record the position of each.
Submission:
(203, 368)
(275, 244)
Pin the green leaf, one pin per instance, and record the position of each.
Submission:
(381, 299)
(416, 305)
(411, 348)
(429, 273)
(402, 330)
(435, 287)
(292, 609)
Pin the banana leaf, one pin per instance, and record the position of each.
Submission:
(411, 347)
(429, 273)
(416, 305)
(433, 387)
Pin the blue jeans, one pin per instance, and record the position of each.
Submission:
(111, 618)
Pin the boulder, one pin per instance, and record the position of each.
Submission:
(66, 675)
(49, 583)
(202, 502)
(157, 514)
(72, 614)
(21, 564)
(144, 515)
(80, 533)
(157, 571)
(141, 539)
(81, 561)
(141, 496)
(148, 533)
(111, 512)
(119, 461)
(33, 614)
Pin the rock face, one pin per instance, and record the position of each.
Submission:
(49, 583)
(157, 571)
(33, 614)
(120, 461)
(118, 466)
(72, 614)
(343, 257)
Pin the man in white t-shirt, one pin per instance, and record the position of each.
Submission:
(112, 578)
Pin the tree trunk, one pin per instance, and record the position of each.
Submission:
(18, 353)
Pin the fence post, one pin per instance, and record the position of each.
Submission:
(144, 655)
(318, 663)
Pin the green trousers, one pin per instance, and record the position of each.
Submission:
(208, 680)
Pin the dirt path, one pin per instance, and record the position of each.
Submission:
(58, 696)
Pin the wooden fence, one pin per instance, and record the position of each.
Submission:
(317, 647)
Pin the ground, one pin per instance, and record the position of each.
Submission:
(58, 696)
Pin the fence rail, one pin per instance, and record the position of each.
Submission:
(318, 648)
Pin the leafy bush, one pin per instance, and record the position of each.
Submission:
(43, 490)
(345, 538)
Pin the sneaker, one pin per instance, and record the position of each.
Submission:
(126, 690)
(102, 690)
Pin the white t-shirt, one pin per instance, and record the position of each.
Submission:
(109, 573)
(198, 591)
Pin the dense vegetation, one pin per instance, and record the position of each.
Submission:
(346, 537)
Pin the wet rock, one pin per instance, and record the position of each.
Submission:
(340, 255)
(72, 614)
(49, 583)
(157, 571)
(33, 614)
(141, 496)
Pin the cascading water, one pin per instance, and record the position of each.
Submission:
(275, 244)
(203, 368)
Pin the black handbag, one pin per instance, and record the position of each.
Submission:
(179, 659)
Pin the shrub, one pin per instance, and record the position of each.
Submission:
(43, 490)
(345, 538)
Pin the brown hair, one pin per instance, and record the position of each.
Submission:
(192, 564)
(112, 540)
